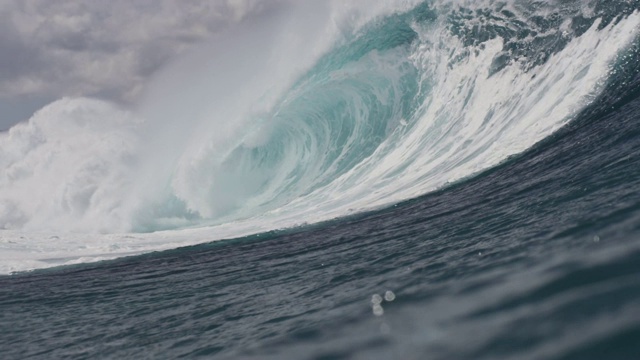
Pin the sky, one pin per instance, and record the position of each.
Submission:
(50, 49)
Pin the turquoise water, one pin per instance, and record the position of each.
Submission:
(463, 180)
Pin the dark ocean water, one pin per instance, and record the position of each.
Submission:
(538, 258)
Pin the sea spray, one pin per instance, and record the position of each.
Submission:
(266, 136)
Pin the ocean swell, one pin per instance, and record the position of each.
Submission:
(300, 121)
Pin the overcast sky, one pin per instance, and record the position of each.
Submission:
(107, 49)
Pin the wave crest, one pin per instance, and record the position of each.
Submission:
(261, 137)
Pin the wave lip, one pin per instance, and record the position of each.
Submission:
(402, 106)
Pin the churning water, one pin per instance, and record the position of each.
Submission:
(439, 179)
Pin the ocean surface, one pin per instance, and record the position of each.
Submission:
(388, 180)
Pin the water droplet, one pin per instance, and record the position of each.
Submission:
(378, 310)
(389, 295)
(596, 238)
(376, 299)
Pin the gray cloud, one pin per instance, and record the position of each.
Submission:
(56, 48)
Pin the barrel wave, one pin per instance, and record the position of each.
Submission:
(284, 122)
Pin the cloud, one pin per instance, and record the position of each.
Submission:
(52, 49)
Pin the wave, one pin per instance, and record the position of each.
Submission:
(285, 121)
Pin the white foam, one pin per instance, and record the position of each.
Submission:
(67, 168)
(83, 167)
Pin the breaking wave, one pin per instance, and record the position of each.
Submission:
(285, 121)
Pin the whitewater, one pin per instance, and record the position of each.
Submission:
(283, 122)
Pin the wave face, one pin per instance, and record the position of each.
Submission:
(298, 121)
